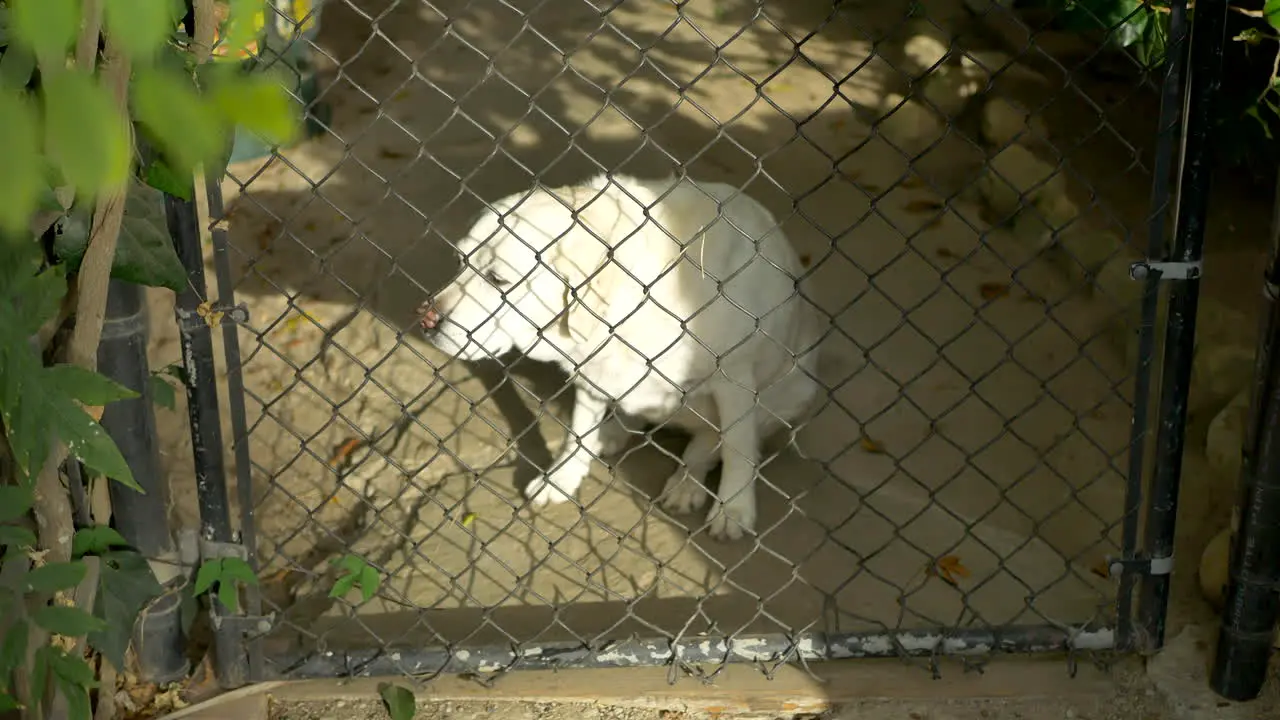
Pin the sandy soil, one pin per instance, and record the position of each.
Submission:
(979, 409)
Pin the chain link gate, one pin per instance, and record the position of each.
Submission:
(972, 481)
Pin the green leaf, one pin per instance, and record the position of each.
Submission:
(14, 536)
(87, 386)
(351, 563)
(125, 585)
(236, 569)
(22, 179)
(96, 540)
(89, 443)
(342, 586)
(167, 180)
(145, 253)
(241, 27)
(257, 103)
(369, 582)
(209, 573)
(72, 669)
(8, 702)
(77, 696)
(13, 651)
(229, 596)
(39, 676)
(398, 701)
(162, 393)
(15, 502)
(93, 156)
(1271, 11)
(49, 26)
(16, 67)
(140, 26)
(69, 621)
(55, 576)
(166, 105)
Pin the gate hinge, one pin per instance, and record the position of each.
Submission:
(1140, 565)
(1165, 270)
(242, 624)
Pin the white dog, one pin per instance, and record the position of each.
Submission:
(672, 300)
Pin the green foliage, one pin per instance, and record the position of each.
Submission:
(96, 540)
(1133, 24)
(144, 254)
(162, 389)
(398, 701)
(69, 131)
(225, 573)
(125, 586)
(356, 573)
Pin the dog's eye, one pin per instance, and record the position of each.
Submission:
(494, 278)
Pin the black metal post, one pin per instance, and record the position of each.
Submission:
(203, 412)
(1166, 133)
(1248, 628)
(1204, 66)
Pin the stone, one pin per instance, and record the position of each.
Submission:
(926, 48)
(1016, 178)
(1214, 563)
(949, 88)
(1224, 441)
(1005, 122)
(1220, 371)
(907, 124)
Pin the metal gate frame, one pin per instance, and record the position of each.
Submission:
(1189, 87)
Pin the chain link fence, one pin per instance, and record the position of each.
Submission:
(965, 191)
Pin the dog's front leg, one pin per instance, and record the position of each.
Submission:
(581, 447)
(734, 511)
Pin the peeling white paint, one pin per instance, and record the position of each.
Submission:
(463, 655)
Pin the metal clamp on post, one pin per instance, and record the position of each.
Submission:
(1140, 565)
(1166, 270)
(244, 624)
(211, 314)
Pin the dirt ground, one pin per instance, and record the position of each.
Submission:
(979, 408)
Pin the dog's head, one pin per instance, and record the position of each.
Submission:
(531, 274)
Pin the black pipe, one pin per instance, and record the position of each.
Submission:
(196, 339)
(1204, 66)
(1139, 431)
(1247, 631)
(142, 519)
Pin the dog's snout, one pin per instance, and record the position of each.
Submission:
(429, 316)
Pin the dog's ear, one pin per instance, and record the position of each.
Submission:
(581, 257)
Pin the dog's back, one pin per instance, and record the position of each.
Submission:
(721, 294)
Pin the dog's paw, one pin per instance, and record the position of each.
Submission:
(551, 490)
(730, 521)
(682, 493)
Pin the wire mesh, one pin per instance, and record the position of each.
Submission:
(960, 218)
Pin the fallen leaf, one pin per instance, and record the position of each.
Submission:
(805, 260)
(949, 568)
(872, 188)
(468, 519)
(95, 412)
(993, 291)
(838, 124)
(911, 182)
(392, 154)
(401, 95)
(343, 451)
(921, 205)
(309, 226)
(871, 446)
(1101, 569)
(946, 253)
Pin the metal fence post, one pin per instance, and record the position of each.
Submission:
(1247, 631)
(196, 338)
(1208, 36)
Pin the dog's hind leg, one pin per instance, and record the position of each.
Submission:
(686, 489)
